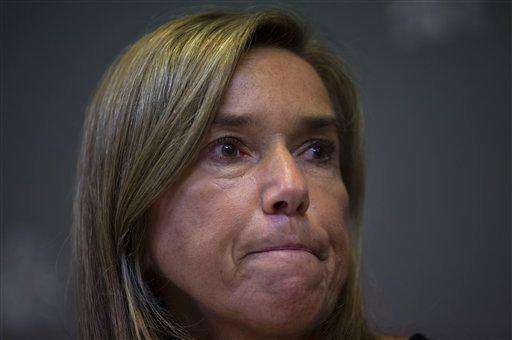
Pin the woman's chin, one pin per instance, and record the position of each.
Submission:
(281, 323)
(289, 309)
(291, 296)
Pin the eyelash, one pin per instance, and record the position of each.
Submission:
(328, 147)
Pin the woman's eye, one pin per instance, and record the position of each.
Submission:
(227, 149)
(320, 150)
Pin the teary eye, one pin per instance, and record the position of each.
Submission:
(227, 149)
(320, 150)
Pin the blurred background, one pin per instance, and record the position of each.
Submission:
(435, 83)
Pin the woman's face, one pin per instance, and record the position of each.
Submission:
(254, 238)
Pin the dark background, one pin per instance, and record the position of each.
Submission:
(435, 83)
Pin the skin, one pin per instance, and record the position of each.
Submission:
(270, 187)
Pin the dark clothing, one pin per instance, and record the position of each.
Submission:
(418, 336)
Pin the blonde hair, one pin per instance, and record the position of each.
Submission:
(142, 130)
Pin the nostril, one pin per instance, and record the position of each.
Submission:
(280, 205)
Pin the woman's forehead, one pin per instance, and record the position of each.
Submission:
(275, 85)
(268, 72)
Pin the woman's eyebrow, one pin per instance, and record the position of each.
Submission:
(307, 123)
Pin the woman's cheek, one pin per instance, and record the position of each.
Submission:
(196, 227)
(329, 204)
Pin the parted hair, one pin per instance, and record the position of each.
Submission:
(142, 130)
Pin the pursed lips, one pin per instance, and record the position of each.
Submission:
(289, 246)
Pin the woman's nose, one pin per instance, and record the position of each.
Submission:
(286, 190)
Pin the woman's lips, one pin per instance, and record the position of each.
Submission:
(293, 247)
